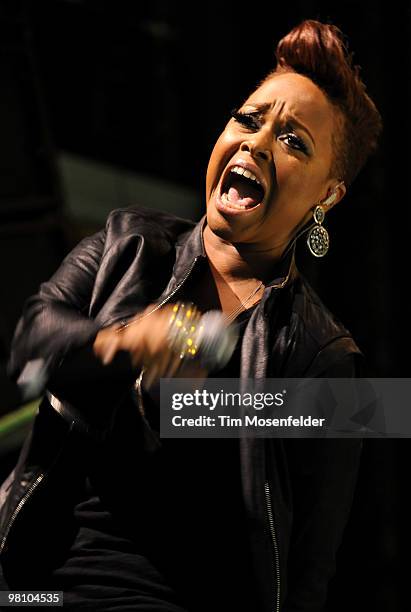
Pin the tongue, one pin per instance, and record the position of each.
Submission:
(244, 193)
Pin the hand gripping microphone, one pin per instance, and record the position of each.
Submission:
(205, 338)
(216, 340)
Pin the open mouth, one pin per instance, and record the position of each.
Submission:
(241, 189)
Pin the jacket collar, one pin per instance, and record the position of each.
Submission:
(190, 247)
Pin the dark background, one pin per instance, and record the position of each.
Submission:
(146, 87)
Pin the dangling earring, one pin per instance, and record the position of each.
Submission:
(318, 239)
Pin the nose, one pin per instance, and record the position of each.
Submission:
(256, 146)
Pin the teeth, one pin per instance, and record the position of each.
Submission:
(226, 200)
(246, 173)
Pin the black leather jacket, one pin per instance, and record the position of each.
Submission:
(297, 492)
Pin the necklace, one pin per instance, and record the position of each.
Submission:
(229, 317)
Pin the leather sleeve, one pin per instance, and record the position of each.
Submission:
(54, 321)
(54, 326)
(323, 474)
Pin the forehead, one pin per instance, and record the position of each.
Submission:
(297, 95)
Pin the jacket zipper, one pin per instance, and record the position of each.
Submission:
(137, 384)
(267, 489)
(123, 325)
(19, 506)
(267, 486)
(41, 476)
(28, 494)
(275, 545)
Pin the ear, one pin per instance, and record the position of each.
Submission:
(335, 193)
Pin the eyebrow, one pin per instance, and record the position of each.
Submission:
(289, 118)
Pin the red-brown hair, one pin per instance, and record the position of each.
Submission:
(320, 52)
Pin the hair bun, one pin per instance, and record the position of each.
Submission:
(320, 52)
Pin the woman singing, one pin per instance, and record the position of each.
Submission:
(99, 506)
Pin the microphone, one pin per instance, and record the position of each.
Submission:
(212, 345)
(202, 338)
(216, 340)
(33, 379)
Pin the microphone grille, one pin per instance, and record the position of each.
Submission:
(216, 340)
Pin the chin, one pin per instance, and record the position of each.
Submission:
(226, 229)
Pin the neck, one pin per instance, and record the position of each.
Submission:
(239, 262)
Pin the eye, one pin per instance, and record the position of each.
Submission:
(248, 120)
(297, 143)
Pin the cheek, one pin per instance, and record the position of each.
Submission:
(291, 173)
(296, 179)
(221, 154)
(295, 191)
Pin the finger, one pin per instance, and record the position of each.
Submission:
(150, 375)
(167, 364)
(137, 356)
(109, 350)
(158, 368)
(191, 369)
(100, 342)
(174, 365)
